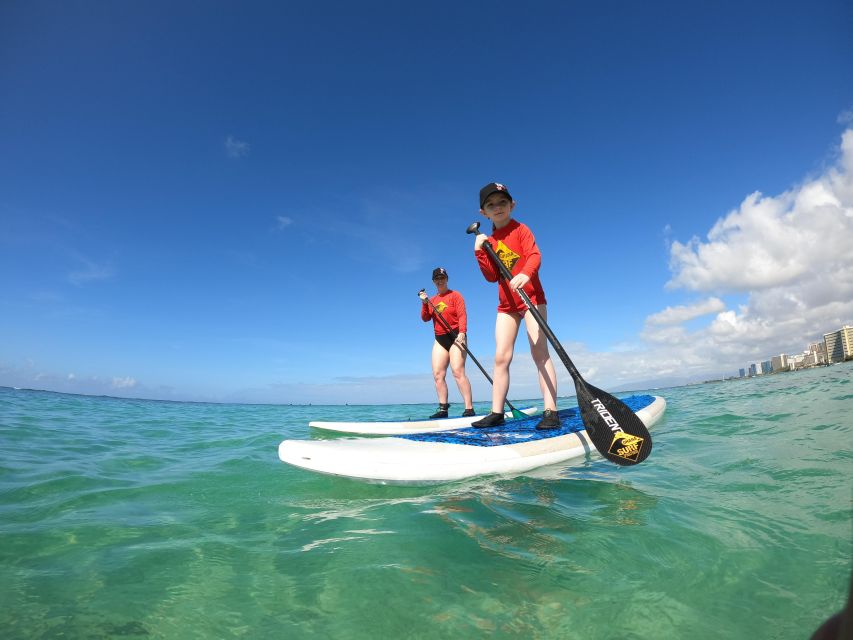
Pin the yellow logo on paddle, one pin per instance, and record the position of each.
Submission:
(506, 255)
(626, 446)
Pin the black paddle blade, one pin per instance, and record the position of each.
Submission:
(615, 430)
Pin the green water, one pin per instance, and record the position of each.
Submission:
(140, 519)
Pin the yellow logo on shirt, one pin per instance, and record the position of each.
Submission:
(441, 306)
(507, 255)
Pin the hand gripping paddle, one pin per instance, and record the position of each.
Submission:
(515, 412)
(615, 430)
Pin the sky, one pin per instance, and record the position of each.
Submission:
(239, 201)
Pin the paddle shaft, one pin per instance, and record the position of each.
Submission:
(576, 376)
(455, 335)
(615, 430)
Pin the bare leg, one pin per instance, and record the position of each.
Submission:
(506, 331)
(440, 360)
(542, 358)
(457, 366)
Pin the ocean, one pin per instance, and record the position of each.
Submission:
(145, 519)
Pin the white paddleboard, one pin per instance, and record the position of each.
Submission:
(402, 427)
(426, 458)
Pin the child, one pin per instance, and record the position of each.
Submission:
(516, 247)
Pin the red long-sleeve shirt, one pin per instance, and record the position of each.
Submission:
(516, 247)
(451, 304)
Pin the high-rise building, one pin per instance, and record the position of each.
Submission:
(743, 373)
(779, 363)
(839, 344)
(819, 351)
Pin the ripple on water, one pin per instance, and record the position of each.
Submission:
(177, 520)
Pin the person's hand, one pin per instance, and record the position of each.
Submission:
(422, 295)
(479, 239)
(461, 339)
(519, 281)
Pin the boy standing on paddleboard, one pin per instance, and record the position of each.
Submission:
(449, 344)
(515, 245)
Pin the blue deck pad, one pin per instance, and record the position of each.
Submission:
(523, 430)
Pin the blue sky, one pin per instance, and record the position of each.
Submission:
(239, 201)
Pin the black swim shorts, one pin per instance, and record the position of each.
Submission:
(446, 340)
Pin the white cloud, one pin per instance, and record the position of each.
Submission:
(785, 250)
(677, 315)
(236, 148)
(790, 254)
(124, 383)
(30, 375)
(283, 221)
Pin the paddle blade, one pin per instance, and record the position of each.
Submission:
(517, 415)
(615, 430)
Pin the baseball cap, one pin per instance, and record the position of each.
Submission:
(438, 272)
(489, 189)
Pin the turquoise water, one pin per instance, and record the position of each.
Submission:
(141, 519)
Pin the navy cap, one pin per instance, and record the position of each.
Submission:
(489, 189)
(438, 272)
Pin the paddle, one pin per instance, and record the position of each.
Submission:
(615, 430)
(515, 412)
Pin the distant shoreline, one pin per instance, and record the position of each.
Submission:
(426, 402)
(774, 373)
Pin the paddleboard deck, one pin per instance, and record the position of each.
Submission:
(402, 427)
(457, 454)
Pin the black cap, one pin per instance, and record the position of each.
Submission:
(438, 272)
(489, 189)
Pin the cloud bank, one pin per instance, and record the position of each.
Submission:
(790, 254)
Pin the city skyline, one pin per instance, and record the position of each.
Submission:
(837, 346)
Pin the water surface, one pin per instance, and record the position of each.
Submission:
(143, 519)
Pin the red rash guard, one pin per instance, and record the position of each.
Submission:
(452, 308)
(516, 248)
